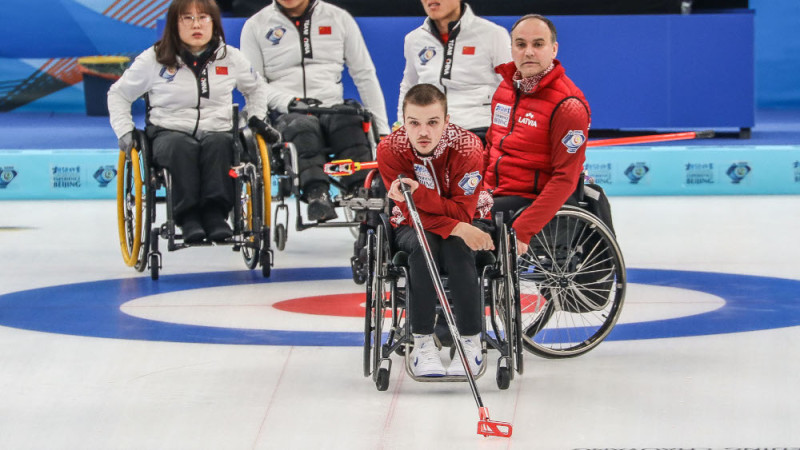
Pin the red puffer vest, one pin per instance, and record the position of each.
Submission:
(519, 145)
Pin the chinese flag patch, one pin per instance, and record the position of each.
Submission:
(325, 30)
(222, 70)
(468, 50)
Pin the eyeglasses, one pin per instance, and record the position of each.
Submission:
(188, 19)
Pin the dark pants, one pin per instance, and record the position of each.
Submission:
(454, 257)
(199, 169)
(325, 138)
(509, 206)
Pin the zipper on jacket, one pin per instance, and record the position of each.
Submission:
(433, 175)
(497, 171)
(513, 118)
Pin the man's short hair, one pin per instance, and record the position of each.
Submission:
(544, 19)
(423, 95)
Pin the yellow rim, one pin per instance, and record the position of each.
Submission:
(129, 257)
(267, 175)
(249, 191)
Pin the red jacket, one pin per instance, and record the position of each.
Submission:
(450, 179)
(535, 147)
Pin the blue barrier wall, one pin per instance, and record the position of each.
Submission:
(643, 71)
(739, 170)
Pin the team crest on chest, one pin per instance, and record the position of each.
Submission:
(168, 73)
(275, 35)
(426, 54)
(424, 176)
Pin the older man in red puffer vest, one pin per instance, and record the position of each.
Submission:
(535, 147)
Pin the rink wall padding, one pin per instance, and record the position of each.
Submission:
(633, 171)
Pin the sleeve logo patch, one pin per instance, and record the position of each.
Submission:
(469, 182)
(424, 177)
(501, 115)
(573, 140)
(426, 54)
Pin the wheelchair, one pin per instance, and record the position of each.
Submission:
(286, 179)
(141, 186)
(387, 328)
(572, 281)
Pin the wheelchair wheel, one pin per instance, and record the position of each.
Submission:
(134, 207)
(572, 285)
(504, 318)
(266, 181)
(280, 236)
(375, 311)
(251, 223)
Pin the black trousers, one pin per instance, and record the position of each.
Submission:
(509, 206)
(325, 138)
(199, 169)
(454, 257)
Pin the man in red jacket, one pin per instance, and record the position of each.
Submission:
(441, 163)
(540, 123)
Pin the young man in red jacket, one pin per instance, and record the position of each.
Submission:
(540, 123)
(441, 163)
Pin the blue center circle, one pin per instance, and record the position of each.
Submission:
(92, 309)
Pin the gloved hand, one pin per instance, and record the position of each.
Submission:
(302, 104)
(270, 135)
(126, 144)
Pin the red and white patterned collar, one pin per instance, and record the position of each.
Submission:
(528, 85)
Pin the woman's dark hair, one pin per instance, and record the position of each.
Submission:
(423, 95)
(170, 45)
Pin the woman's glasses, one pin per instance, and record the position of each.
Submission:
(188, 19)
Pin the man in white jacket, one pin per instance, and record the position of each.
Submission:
(457, 51)
(301, 48)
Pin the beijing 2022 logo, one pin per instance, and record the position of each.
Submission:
(104, 175)
(738, 171)
(7, 174)
(636, 171)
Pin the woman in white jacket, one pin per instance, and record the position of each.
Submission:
(189, 76)
(457, 51)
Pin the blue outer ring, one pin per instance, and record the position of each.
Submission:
(93, 309)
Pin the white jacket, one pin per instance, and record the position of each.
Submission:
(174, 96)
(477, 46)
(272, 43)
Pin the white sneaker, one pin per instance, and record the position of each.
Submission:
(425, 360)
(475, 357)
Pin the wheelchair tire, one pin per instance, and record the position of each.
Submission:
(266, 180)
(503, 377)
(251, 219)
(134, 208)
(281, 235)
(572, 284)
(266, 263)
(155, 265)
(382, 380)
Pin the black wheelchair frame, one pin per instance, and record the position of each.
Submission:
(386, 291)
(560, 299)
(138, 185)
(285, 167)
